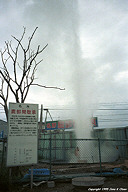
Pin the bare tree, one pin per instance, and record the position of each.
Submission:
(4, 96)
(17, 75)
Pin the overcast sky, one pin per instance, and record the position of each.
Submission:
(86, 53)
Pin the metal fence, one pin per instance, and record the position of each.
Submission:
(3, 144)
(82, 150)
(88, 151)
(75, 151)
(60, 151)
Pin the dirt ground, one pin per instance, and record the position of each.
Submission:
(113, 183)
(110, 184)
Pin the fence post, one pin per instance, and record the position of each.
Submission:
(100, 156)
(3, 154)
(63, 145)
(50, 156)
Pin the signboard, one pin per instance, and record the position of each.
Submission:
(95, 122)
(22, 134)
(54, 125)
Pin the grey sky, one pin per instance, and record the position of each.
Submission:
(87, 51)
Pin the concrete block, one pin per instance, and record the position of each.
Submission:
(88, 181)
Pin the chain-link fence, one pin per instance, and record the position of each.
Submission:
(60, 151)
(55, 151)
(88, 151)
(3, 147)
(82, 150)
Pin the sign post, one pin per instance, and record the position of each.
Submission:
(31, 176)
(22, 134)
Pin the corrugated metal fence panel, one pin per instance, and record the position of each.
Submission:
(61, 144)
(115, 133)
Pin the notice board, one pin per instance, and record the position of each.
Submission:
(22, 134)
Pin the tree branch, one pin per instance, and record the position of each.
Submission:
(22, 76)
(30, 39)
(49, 87)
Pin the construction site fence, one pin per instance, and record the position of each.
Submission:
(65, 151)
(75, 151)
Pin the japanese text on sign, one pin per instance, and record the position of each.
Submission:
(23, 121)
(22, 134)
(52, 125)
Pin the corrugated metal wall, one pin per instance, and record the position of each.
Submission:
(61, 145)
(116, 134)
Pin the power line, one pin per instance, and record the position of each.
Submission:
(109, 109)
(112, 109)
(58, 109)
